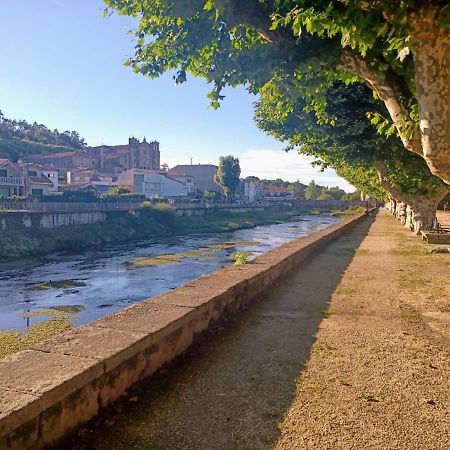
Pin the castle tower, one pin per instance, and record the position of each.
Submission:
(133, 153)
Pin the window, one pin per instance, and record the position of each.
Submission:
(152, 187)
(32, 173)
(3, 173)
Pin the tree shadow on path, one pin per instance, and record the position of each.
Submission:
(231, 390)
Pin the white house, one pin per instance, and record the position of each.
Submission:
(11, 179)
(39, 180)
(152, 183)
(250, 191)
(188, 181)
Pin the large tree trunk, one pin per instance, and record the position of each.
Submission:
(424, 211)
(409, 218)
(430, 45)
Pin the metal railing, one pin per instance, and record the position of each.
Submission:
(12, 181)
(67, 207)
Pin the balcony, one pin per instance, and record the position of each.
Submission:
(11, 181)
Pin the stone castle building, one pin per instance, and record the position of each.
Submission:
(135, 155)
(143, 155)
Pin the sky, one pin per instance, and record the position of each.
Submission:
(62, 64)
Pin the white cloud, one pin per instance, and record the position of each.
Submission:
(272, 164)
(289, 166)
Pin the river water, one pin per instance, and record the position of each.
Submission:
(113, 277)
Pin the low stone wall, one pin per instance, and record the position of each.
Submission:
(48, 391)
(16, 220)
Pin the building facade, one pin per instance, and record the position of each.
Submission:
(203, 175)
(11, 179)
(151, 183)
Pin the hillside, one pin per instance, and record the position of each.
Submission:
(13, 148)
(20, 138)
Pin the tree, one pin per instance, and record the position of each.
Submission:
(312, 191)
(375, 165)
(227, 175)
(399, 48)
(335, 192)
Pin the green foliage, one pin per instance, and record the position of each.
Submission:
(325, 197)
(240, 259)
(227, 175)
(312, 191)
(352, 196)
(14, 149)
(296, 50)
(78, 196)
(122, 194)
(19, 138)
(160, 213)
(351, 145)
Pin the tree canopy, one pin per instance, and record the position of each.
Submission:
(227, 175)
(399, 48)
(376, 165)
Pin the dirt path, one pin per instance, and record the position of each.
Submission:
(371, 370)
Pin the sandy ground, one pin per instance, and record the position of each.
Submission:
(350, 352)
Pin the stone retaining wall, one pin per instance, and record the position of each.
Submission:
(49, 390)
(17, 220)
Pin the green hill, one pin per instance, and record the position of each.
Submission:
(13, 149)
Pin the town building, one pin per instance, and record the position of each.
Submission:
(42, 179)
(278, 194)
(203, 174)
(63, 161)
(134, 155)
(189, 184)
(11, 179)
(152, 183)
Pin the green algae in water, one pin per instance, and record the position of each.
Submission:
(56, 311)
(248, 244)
(153, 261)
(169, 258)
(223, 246)
(57, 284)
(62, 317)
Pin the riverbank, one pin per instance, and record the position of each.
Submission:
(121, 227)
(351, 351)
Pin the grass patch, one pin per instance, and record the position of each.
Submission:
(326, 312)
(361, 251)
(345, 291)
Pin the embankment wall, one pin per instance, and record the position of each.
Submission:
(53, 388)
(11, 221)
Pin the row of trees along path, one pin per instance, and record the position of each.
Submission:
(363, 86)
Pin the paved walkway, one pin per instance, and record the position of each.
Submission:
(351, 352)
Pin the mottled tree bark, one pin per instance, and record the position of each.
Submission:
(430, 45)
(423, 207)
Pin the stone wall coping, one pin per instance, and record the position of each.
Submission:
(111, 353)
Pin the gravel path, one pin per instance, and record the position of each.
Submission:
(351, 352)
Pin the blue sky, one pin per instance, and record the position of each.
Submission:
(62, 65)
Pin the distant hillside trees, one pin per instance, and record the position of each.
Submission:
(19, 138)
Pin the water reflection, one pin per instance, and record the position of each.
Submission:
(105, 282)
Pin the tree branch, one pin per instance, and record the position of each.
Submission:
(388, 90)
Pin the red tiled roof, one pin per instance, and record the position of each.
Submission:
(277, 189)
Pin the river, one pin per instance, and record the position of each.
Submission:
(109, 279)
